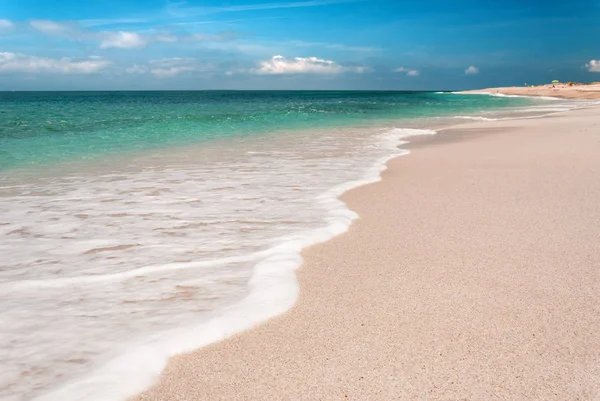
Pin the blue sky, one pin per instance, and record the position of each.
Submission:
(300, 44)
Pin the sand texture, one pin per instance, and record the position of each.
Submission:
(576, 91)
(472, 274)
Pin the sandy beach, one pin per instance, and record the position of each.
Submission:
(563, 90)
(472, 273)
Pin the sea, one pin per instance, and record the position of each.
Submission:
(139, 225)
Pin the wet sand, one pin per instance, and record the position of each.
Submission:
(472, 273)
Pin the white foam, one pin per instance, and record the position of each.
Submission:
(288, 186)
(546, 109)
(515, 117)
(477, 118)
(513, 96)
(24, 285)
(539, 109)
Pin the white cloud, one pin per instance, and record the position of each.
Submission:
(408, 71)
(136, 69)
(166, 38)
(6, 26)
(123, 40)
(52, 28)
(107, 39)
(472, 70)
(172, 71)
(593, 66)
(15, 62)
(278, 65)
(169, 67)
(359, 69)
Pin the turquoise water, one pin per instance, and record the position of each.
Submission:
(42, 128)
(127, 256)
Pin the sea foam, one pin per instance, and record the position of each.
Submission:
(158, 261)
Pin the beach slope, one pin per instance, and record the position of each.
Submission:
(472, 273)
(562, 90)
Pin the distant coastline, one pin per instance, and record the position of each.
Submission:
(562, 90)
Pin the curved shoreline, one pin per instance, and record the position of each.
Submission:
(185, 373)
(236, 324)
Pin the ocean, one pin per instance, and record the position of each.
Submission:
(138, 225)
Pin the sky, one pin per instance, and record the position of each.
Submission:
(299, 44)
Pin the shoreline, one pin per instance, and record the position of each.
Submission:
(174, 375)
(140, 353)
(272, 293)
(90, 379)
(560, 90)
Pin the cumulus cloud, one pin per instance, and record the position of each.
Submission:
(298, 65)
(408, 71)
(593, 66)
(123, 40)
(278, 65)
(6, 26)
(472, 70)
(23, 63)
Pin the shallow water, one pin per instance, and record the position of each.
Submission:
(150, 224)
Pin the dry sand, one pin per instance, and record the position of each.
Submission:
(473, 273)
(578, 91)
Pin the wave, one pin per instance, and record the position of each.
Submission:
(477, 118)
(510, 96)
(504, 118)
(25, 285)
(273, 289)
(550, 110)
(504, 95)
